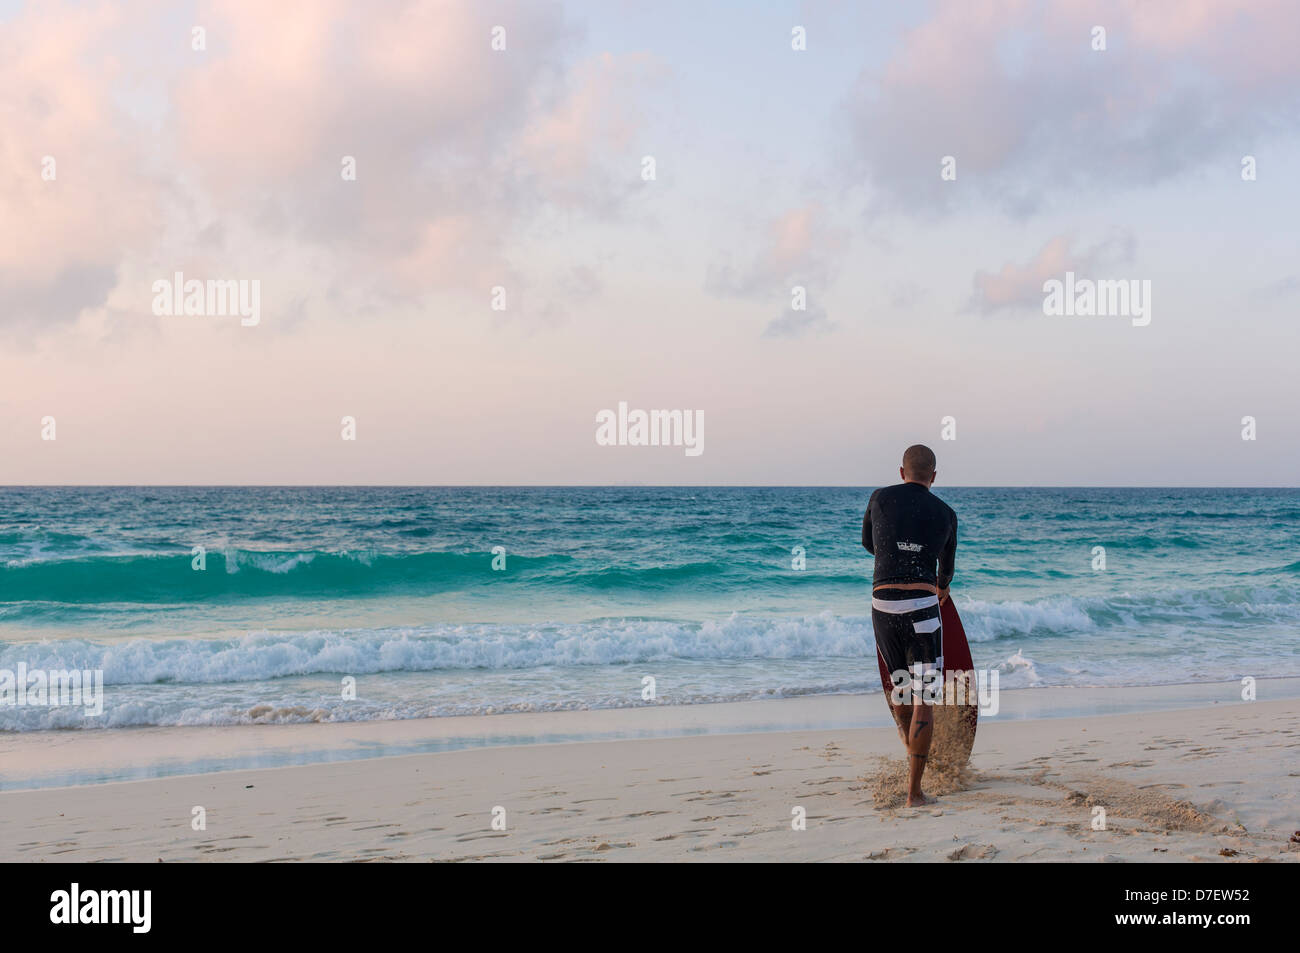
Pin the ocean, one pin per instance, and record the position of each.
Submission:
(599, 589)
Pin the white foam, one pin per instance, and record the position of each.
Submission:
(266, 655)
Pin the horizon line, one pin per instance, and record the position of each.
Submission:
(630, 486)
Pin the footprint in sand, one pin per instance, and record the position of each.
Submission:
(890, 852)
(974, 852)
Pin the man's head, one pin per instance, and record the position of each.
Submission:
(918, 465)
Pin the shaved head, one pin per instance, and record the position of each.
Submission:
(918, 463)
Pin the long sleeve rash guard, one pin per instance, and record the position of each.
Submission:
(910, 531)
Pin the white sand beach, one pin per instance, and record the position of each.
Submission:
(1217, 782)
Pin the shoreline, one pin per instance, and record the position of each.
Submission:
(46, 760)
(1200, 784)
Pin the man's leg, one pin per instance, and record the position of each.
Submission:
(903, 718)
(921, 730)
(891, 631)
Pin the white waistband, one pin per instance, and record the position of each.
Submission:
(899, 606)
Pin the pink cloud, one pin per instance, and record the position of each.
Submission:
(64, 237)
(1016, 93)
(457, 145)
(1021, 285)
(800, 244)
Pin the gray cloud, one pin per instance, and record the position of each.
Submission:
(73, 288)
(1274, 290)
(797, 324)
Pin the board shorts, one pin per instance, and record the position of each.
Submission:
(909, 632)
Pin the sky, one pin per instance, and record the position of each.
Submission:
(502, 267)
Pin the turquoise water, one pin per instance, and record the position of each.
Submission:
(603, 587)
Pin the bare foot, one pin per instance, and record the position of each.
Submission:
(918, 800)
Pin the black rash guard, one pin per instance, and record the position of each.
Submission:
(909, 530)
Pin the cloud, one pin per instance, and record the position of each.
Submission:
(455, 144)
(233, 154)
(577, 152)
(800, 247)
(63, 237)
(1017, 286)
(571, 289)
(1282, 288)
(797, 324)
(1014, 91)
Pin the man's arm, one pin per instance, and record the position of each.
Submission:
(948, 558)
(866, 526)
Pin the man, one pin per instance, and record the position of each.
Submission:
(913, 535)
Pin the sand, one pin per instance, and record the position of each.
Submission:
(1217, 783)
